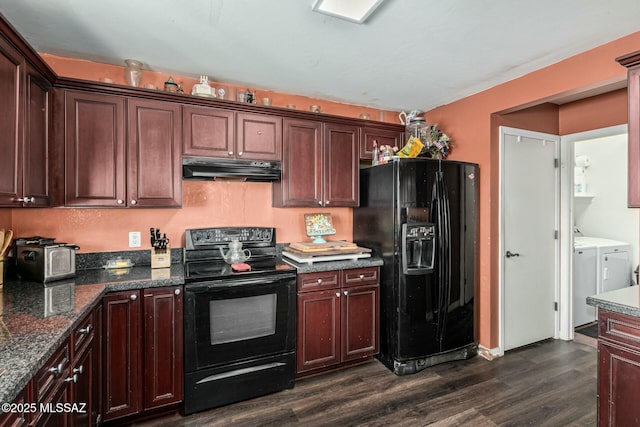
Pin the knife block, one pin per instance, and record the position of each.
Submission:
(161, 258)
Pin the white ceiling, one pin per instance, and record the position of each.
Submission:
(410, 54)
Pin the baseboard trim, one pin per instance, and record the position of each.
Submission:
(489, 353)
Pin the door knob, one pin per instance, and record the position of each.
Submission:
(511, 254)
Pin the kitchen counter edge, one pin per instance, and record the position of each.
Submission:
(623, 301)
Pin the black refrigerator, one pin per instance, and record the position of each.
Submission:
(421, 217)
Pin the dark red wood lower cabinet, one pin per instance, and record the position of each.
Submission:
(339, 325)
(16, 419)
(618, 386)
(121, 365)
(142, 355)
(162, 348)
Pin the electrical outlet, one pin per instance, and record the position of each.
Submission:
(134, 239)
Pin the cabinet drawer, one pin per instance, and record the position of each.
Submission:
(360, 276)
(318, 281)
(83, 333)
(619, 328)
(52, 373)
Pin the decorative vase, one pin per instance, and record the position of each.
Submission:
(133, 72)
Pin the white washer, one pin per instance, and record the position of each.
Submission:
(613, 262)
(585, 274)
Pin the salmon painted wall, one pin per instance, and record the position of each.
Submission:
(204, 204)
(5, 218)
(469, 120)
(609, 109)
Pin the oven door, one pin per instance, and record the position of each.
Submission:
(231, 320)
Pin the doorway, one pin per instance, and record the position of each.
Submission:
(594, 208)
(529, 224)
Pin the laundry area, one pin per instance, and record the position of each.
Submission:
(605, 230)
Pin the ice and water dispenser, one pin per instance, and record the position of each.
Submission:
(418, 248)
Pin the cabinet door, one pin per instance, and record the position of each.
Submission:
(163, 367)
(259, 137)
(618, 385)
(36, 150)
(318, 330)
(121, 354)
(154, 163)
(634, 137)
(94, 150)
(359, 322)
(341, 165)
(208, 132)
(16, 419)
(301, 183)
(380, 137)
(11, 115)
(84, 389)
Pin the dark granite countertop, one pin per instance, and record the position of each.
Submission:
(623, 301)
(30, 332)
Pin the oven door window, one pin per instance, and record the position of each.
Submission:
(242, 319)
(236, 323)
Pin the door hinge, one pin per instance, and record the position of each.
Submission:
(555, 234)
(555, 306)
(556, 163)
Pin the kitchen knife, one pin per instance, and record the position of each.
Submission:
(153, 236)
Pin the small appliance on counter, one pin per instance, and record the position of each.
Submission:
(41, 259)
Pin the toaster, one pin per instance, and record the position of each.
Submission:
(41, 259)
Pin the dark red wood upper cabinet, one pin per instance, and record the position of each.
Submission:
(208, 132)
(632, 62)
(259, 137)
(380, 137)
(341, 165)
(162, 348)
(154, 147)
(302, 173)
(94, 150)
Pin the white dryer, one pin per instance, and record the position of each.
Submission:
(613, 262)
(585, 274)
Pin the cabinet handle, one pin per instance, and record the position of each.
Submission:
(78, 370)
(71, 379)
(26, 199)
(230, 153)
(177, 292)
(120, 202)
(57, 370)
(346, 293)
(133, 202)
(320, 202)
(338, 294)
(319, 281)
(85, 330)
(133, 297)
(362, 277)
(240, 153)
(326, 203)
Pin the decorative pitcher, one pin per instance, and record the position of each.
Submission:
(235, 254)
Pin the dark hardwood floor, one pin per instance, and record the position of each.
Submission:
(551, 383)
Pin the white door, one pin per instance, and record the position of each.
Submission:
(529, 220)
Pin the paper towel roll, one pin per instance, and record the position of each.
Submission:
(582, 162)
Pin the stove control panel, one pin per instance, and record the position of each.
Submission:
(203, 237)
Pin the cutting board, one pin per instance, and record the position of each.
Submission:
(336, 245)
(338, 251)
(310, 259)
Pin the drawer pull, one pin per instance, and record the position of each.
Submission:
(86, 330)
(319, 281)
(57, 370)
(362, 277)
(338, 294)
(71, 379)
(78, 370)
(177, 292)
(133, 297)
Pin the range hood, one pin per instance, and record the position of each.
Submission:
(201, 168)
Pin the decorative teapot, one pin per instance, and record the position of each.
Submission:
(235, 254)
(405, 118)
